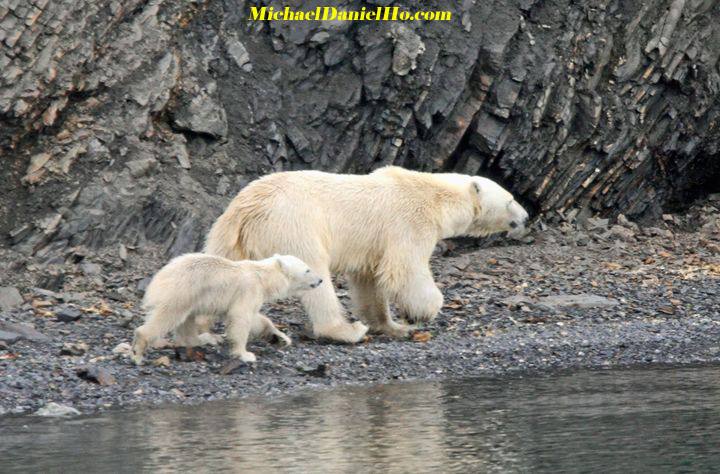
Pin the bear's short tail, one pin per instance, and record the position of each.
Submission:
(225, 239)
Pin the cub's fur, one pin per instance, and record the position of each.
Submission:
(206, 285)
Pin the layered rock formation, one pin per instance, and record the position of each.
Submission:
(137, 121)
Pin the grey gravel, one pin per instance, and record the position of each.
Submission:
(651, 301)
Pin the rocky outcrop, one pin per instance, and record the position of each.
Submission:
(135, 121)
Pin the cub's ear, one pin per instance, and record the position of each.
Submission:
(475, 187)
(279, 262)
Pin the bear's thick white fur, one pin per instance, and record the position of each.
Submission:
(379, 229)
(200, 285)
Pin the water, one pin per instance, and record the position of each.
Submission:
(659, 420)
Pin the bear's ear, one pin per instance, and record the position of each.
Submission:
(475, 187)
(279, 262)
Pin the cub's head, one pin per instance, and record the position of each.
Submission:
(301, 277)
(497, 211)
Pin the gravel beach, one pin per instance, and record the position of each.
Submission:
(573, 295)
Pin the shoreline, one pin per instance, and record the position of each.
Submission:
(636, 348)
(544, 307)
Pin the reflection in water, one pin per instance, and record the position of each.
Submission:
(659, 420)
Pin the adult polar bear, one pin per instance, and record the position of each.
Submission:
(378, 229)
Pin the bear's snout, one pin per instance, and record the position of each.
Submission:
(316, 284)
(518, 227)
(521, 223)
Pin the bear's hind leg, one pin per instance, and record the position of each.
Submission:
(326, 313)
(240, 324)
(196, 331)
(157, 325)
(188, 333)
(370, 305)
(263, 327)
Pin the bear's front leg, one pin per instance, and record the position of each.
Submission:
(326, 314)
(418, 298)
(370, 305)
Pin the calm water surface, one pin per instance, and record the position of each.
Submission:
(659, 420)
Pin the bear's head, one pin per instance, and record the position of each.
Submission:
(498, 211)
(301, 277)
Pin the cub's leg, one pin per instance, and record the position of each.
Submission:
(262, 327)
(370, 305)
(187, 334)
(195, 331)
(157, 325)
(240, 323)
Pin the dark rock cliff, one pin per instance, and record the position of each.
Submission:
(137, 121)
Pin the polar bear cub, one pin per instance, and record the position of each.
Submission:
(198, 284)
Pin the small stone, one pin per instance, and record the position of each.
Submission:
(91, 268)
(582, 239)
(582, 301)
(68, 315)
(592, 223)
(322, 370)
(408, 46)
(50, 294)
(142, 285)
(74, 349)
(237, 51)
(123, 349)
(223, 186)
(52, 280)
(233, 366)
(9, 338)
(53, 409)
(10, 298)
(19, 234)
(421, 336)
(621, 233)
(141, 167)
(13, 330)
(623, 221)
(162, 361)
(95, 374)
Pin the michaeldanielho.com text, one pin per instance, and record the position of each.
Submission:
(332, 13)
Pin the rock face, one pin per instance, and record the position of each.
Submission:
(134, 122)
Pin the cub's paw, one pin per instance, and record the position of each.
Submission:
(281, 338)
(209, 338)
(245, 356)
